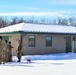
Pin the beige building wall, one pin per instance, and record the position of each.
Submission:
(14, 41)
(58, 44)
(14, 38)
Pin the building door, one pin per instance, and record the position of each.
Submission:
(6, 38)
(68, 44)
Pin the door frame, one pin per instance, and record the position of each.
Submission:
(5, 38)
(68, 44)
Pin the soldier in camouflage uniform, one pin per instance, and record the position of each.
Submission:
(10, 52)
(6, 53)
(19, 51)
(2, 50)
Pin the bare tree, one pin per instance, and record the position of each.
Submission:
(72, 21)
(3, 22)
(14, 21)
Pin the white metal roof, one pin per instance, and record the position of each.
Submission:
(27, 27)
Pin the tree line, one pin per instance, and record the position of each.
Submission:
(15, 20)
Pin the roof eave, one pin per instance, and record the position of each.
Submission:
(29, 32)
(48, 33)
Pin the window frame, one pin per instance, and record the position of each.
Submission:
(30, 40)
(50, 44)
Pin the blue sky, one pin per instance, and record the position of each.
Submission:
(38, 8)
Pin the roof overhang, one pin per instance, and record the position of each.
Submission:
(25, 28)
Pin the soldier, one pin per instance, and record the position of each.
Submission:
(7, 50)
(19, 51)
(2, 50)
(10, 52)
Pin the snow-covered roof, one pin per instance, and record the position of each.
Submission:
(40, 28)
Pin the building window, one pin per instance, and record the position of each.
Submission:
(31, 41)
(48, 41)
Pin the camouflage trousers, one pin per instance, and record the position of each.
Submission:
(8, 57)
(2, 56)
(19, 54)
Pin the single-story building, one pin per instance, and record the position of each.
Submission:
(41, 39)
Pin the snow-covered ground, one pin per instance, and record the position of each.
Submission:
(51, 64)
